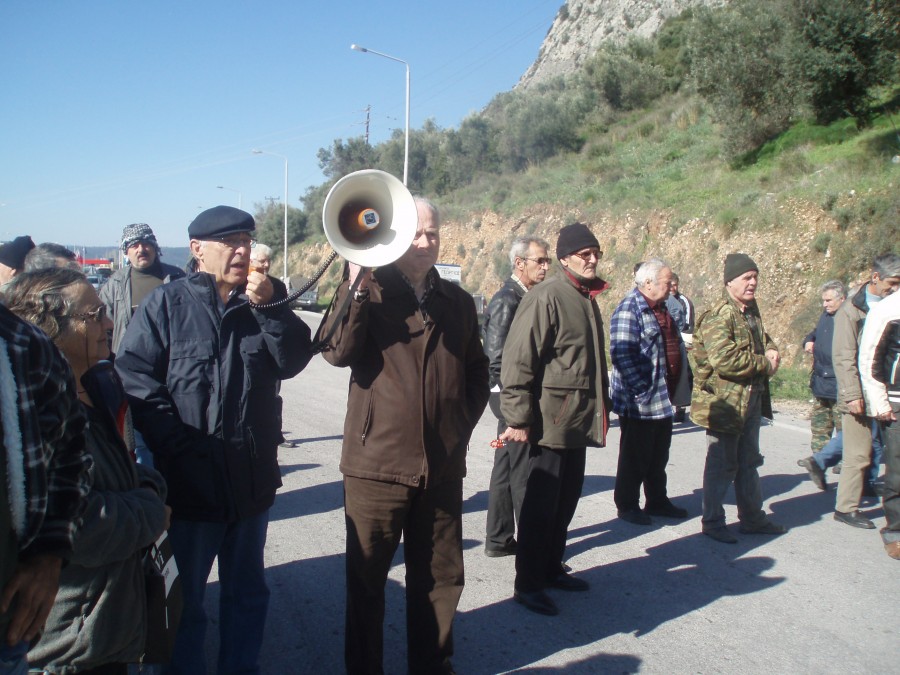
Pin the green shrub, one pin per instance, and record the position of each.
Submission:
(791, 382)
(821, 242)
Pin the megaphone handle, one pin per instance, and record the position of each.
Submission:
(320, 345)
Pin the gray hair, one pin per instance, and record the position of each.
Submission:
(521, 245)
(834, 286)
(40, 297)
(49, 254)
(261, 248)
(886, 265)
(649, 271)
(435, 214)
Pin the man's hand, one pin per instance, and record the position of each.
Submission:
(33, 586)
(857, 407)
(515, 435)
(888, 416)
(259, 288)
(774, 360)
(354, 272)
(808, 347)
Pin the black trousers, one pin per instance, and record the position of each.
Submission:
(377, 514)
(643, 455)
(507, 490)
(555, 479)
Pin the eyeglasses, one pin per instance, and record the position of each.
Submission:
(98, 315)
(235, 241)
(540, 261)
(588, 253)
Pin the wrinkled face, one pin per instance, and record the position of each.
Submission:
(743, 288)
(583, 263)
(532, 269)
(831, 301)
(658, 290)
(423, 252)
(141, 255)
(673, 286)
(84, 341)
(226, 258)
(260, 261)
(883, 287)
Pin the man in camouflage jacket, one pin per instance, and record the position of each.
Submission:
(734, 359)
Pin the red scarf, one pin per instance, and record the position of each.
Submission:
(590, 288)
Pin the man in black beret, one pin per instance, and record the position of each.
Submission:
(734, 359)
(12, 257)
(555, 397)
(200, 362)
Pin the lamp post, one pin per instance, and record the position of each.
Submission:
(275, 154)
(240, 195)
(394, 58)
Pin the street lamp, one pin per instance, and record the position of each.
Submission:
(275, 154)
(240, 196)
(394, 58)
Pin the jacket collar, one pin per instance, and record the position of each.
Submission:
(588, 288)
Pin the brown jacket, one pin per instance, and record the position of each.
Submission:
(848, 325)
(417, 386)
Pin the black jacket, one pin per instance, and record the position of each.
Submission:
(201, 382)
(822, 381)
(497, 320)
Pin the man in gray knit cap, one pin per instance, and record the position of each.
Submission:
(130, 284)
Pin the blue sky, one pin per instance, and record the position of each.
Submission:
(118, 112)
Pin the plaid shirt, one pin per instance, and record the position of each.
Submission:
(638, 354)
(43, 439)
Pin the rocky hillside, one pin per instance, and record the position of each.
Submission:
(696, 250)
(582, 25)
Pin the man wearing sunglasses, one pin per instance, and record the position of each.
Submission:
(528, 257)
(200, 362)
(555, 397)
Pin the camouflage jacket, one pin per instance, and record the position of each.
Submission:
(726, 366)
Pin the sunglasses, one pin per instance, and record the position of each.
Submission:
(587, 254)
(98, 315)
(540, 261)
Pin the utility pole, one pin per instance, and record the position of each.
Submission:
(368, 111)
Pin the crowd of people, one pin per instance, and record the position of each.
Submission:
(154, 406)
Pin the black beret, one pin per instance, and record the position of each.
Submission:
(12, 253)
(574, 238)
(220, 221)
(737, 264)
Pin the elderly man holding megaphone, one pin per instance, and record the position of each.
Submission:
(418, 385)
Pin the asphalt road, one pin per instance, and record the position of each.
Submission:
(664, 598)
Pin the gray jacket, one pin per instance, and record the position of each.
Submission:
(99, 615)
(116, 295)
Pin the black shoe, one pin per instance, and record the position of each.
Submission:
(854, 518)
(721, 534)
(536, 601)
(679, 415)
(767, 527)
(635, 516)
(502, 552)
(816, 475)
(566, 582)
(874, 490)
(666, 511)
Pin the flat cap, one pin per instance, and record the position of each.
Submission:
(220, 221)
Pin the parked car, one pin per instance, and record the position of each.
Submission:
(96, 280)
(306, 301)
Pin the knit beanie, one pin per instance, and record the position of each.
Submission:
(737, 264)
(574, 238)
(12, 253)
(132, 234)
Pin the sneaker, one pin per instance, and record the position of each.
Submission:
(721, 534)
(767, 527)
(816, 475)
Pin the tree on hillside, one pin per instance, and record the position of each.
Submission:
(842, 52)
(344, 158)
(740, 59)
(270, 225)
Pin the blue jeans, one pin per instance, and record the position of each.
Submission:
(243, 596)
(833, 450)
(12, 659)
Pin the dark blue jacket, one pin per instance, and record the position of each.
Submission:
(823, 382)
(202, 386)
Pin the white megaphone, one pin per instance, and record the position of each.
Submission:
(369, 218)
